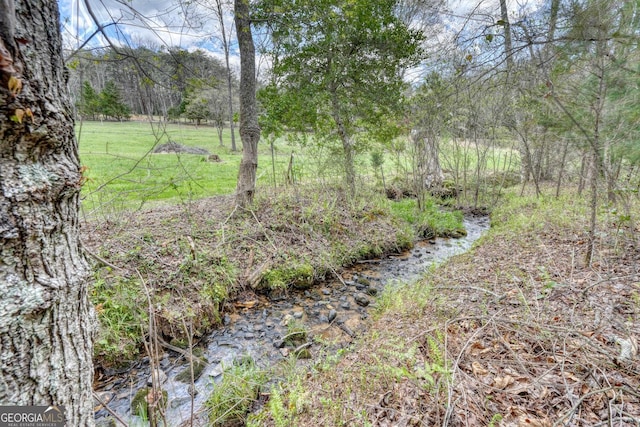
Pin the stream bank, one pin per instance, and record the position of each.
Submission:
(333, 311)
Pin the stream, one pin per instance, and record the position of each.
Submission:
(334, 310)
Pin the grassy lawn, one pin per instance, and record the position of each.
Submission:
(124, 173)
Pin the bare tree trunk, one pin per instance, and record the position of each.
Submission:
(593, 212)
(347, 145)
(249, 129)
(563, 161)
(46, 320)
(508, 46)
(429, 172)
(225, 44)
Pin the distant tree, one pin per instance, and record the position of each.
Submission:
(338, 69)
(249, 129)
(46, 319)
(197, 107)
(111, 104)
(89, 102)
(220, 15)
(219, 112)
(430, 115)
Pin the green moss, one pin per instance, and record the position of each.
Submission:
(140, 406)
(296, 333)
(121, 309)
(199, 363)
(299, 276)
(431, 221)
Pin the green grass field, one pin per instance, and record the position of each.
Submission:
(123, 173)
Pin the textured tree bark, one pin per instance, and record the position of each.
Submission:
(249, 129)
(46, 320)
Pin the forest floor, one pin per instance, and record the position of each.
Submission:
(519, 331)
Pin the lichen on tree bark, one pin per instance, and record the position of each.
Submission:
(46, 320)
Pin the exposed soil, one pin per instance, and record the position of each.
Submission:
(176, 147)
(518, 332)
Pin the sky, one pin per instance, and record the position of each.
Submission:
(150, 23)
(168, 23)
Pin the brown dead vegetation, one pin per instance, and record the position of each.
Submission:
(518, 332)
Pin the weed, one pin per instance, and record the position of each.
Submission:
(296, 333)
(118, 307)
(495, 420)
(430, 221)
(231, 399)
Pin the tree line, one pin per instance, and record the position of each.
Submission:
(171, 83)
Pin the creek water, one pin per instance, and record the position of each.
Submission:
(334, 311)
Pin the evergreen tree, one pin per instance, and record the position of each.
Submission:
(111, 105)
(89, 103)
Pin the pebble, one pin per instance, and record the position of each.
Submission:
(162, 377)
(332, 315)
(105, 397)
(124, 395)
(345, 305)
(298, 314)
(216, 371)
(249, 336)
(361, 299)
(326, 291)
(165, 362)
(372, 291)
(286, 319)
(179, 401)
(106, 422)
(192, 390)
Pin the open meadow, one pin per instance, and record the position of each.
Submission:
(123, 172)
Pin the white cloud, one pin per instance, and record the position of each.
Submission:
(153, 23)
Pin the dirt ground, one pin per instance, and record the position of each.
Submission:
(517, 332)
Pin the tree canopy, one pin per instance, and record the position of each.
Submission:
(337, 70)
